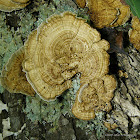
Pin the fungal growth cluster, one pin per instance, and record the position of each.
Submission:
(60, 48)
(134, 33)
(94, 96)
(10, 5)
(106, 13)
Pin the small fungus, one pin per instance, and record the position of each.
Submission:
(81, 3)
(13, 78)
(10, 5)
(107, 13)
(110, 126)
(94, 96)
(134, 33)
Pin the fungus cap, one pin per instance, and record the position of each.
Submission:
(59, 49)
(95, 62)
(107, 13)
(20, 1)
(10, 5)
(134, 33)
(94, 96)
(41, 74)
(13, 78)
(81, 3)
(110, 126)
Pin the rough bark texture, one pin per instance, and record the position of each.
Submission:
(127, 96)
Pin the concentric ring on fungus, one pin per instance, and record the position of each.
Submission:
(106, 13)
(10, 5)
(60, 48)
(94, 96)
(13, 78)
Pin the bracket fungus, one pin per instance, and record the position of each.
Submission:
(60, 48)
(94, 96)
(10, 5)
(13, 78)
(106, 13)
(134, 33)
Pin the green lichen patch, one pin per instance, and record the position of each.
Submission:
(57, 7)
(40, 110)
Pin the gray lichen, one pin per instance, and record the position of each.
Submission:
(39, 110)
(96, 124)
